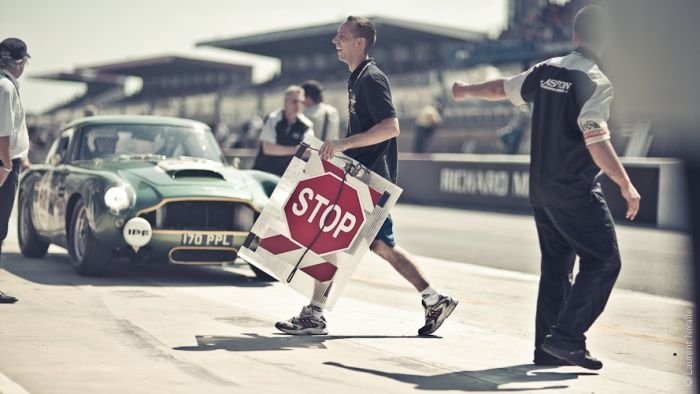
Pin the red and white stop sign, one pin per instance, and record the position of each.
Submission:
(310, 209)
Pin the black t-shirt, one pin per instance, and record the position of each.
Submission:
(571, 104)
(369, 96)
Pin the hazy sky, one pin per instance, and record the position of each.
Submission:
(68, 33)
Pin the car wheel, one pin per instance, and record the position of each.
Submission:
(262, 275)
(29, 242)
(88, 256)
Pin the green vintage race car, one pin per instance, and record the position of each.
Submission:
(142, 187)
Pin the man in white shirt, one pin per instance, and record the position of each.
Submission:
(324, 116)
(283, 131)
(14, 139)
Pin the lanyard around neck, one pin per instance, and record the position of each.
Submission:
(359, 75)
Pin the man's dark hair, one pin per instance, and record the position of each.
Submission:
(314, 90)
(590, 24)
(364, 28)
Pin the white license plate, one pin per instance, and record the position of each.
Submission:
(207, 239)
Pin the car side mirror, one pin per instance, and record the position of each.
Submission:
(236, 162)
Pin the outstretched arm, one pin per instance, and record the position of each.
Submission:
(489, 90)
(605, 157)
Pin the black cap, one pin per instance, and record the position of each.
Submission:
(13, 48)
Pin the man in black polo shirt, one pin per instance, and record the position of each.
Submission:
(371, 140)
(570, 145)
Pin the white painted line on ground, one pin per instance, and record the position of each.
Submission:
(7, 386)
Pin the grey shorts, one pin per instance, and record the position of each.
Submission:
(386, 232)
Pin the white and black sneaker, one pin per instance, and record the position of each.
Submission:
(436, 313)
(307, 323)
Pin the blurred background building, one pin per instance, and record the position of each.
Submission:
(422, 61)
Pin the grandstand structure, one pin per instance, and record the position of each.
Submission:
(422, 60)
(100, 88)
(414, 55)
(170, 85)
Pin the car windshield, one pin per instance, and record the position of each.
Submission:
(147, 141)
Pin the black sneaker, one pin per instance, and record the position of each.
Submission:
(436, 314)
(7, 299)
(545, 359)
(304, 324)
(550, 362)
(580, 357)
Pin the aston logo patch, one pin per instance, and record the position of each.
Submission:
(556, 85)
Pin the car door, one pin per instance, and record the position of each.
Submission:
(51, 192)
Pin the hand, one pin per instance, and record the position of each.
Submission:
(459, 90)
(330, 148)
(25, 164)
(632, 197)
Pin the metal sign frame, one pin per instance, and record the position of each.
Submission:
(271, 245)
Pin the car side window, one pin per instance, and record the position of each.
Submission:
(59, 148)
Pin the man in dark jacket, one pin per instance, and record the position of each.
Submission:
(570, 146)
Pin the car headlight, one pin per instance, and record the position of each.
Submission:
(117, 199)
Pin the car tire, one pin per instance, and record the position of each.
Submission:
(262, 275)
(29, 242)
(88, 256)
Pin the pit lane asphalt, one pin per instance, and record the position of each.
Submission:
(169, 329)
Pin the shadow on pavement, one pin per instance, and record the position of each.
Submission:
(56, 269)
(254, 342)
(481, 380)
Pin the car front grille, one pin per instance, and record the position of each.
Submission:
(202, 215)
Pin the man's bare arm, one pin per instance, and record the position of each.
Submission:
(382, 131)
(605, 157)
(489, 90)
(271, 149)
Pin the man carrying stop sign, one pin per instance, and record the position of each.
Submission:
(371, 140)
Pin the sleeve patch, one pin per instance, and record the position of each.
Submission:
(594, 133)
(590, 125)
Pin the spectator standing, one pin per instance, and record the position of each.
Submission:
(427, 121)
(14, 138)
(324, 116)
(512, 134)
(282, 133)
(90, 110)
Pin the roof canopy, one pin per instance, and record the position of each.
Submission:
(84, 76)
(157, 66)
(312, 38)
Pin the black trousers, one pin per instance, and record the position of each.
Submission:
(7, 199)
(567, 308)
